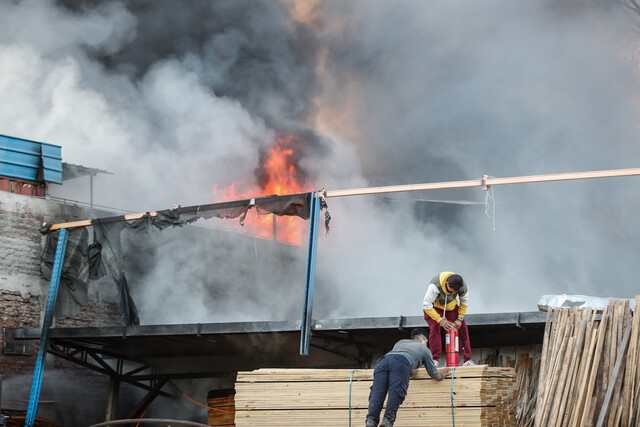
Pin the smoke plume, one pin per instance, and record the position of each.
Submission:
(175, 98)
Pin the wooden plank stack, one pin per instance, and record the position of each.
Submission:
(477, 396)
(526, 382)
(221, 405)
(589, 373)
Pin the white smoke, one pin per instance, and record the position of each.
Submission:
(452, 91)
(174, 100)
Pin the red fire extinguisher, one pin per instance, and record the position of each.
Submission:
(453, 348)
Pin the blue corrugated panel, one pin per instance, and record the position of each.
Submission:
(21, 158)
(52, 161)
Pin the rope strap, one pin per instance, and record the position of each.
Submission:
(453, 418)
(350, 381)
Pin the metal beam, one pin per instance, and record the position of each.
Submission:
(64, 355)
(112, 399)
(138, 411)
(48, 319)
(280, 326)
(307, 306)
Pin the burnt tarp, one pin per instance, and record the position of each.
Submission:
(108, 236)
(84, 261)
(291, 205)
(298, 205)
(81, 262)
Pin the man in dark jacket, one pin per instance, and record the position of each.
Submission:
(393, 372)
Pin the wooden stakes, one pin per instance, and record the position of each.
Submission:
(589, 373)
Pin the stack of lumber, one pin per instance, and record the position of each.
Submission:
(526, 382)
(475, 396)
(221, 405)
(589, 373)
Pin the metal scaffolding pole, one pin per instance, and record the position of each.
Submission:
(307, 307)
(44, 334)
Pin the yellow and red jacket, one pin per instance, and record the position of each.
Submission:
(437, 296)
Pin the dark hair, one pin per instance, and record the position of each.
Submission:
(417, 333)
(455, 282)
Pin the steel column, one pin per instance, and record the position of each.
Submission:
(307, 308)
(112, 399)
(48, 319)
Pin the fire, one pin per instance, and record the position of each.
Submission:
(278, 174)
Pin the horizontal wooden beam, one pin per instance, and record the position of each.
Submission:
(88, 222)
(484, 182)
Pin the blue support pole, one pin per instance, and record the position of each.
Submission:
(305, 327)
(48, 319)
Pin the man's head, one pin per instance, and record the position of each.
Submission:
(419, 334)
(454, 283)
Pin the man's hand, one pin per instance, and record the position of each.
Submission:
(457, 323)
(445, 324)
(444, 371)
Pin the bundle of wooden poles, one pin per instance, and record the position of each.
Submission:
(475, 396)
(589, 373)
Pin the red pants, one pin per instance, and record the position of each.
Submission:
(435, 336)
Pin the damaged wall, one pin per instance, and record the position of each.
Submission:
(23, 293)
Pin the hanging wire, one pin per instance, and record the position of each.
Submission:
(489, 197)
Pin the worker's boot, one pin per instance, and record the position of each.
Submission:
(386, 422)
(371, 422)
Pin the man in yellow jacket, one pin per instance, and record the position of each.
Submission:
(441, 310)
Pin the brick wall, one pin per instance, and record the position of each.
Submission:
(20, 299)
(91, 315)
(23, 290)
(18, 312)
(19, 243)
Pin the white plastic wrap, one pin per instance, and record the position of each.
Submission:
(581, 301)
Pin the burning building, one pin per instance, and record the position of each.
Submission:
(187, 105)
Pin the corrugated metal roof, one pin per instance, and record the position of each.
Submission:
(70, 171)
(30, 160)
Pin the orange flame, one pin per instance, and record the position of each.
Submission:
(279, 174)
